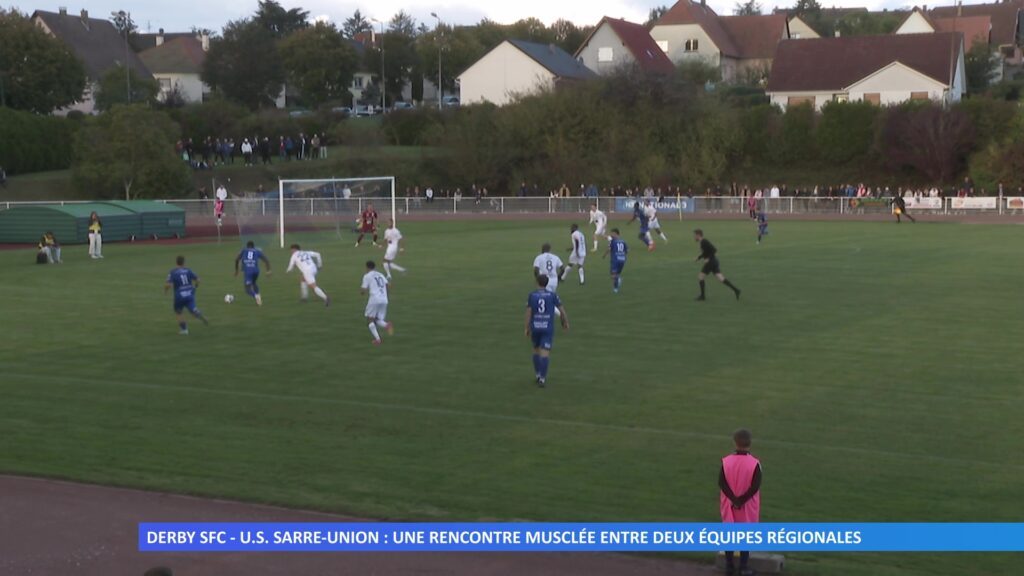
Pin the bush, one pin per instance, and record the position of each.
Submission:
(846, 131)
(34, 143)
(797, 142)
(411, 127)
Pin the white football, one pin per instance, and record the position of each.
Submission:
(228, 298)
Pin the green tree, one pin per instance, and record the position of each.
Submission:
(567, 35)
(274, 18)
(355, 24)
(748, 8)
(320, 63)
(400, 55)
(112, 89)
(129, 153)
(37, 72)
(655, 14)
(980, 65)
(846, 131)
(245, 65)
(458, 49)
(402, 24)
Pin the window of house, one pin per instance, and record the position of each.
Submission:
(357, 82)
(795, 35)
(605, 55)
(165, 84)
(873, 97)
(918, 95)
(691, 45)
(840, 97)
(799, 101)
(663, 44)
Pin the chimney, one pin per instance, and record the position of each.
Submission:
(160, 37)
(838, 33)
(63, 10)
(85, 15)
(960, 9)
(205, 39)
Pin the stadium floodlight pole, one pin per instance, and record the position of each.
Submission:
(383, 72)
(440, 87)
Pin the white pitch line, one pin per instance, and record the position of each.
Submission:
(510, 418)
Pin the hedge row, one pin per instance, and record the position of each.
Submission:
(34, 143)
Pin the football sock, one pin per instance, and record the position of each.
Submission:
(183, 326)
(583, 277)
(536, 364)
(304, 291)
(387, 269)
(544, 361)
(618, 282)
(595, 245)
(701, 288)
(360, 239)
(320, 293)
(382, 324)
(663, 237)
(730, 285)
(373, 331)
(397, 267)
(249, 290)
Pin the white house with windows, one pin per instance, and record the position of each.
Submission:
(615, 43)
(517, 68)
(882, 70)
(177, 64)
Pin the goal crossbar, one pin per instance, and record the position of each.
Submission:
(283, 183)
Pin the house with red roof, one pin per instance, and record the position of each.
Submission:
(883, 70)
(742, 47)
(177, 64)
(615, 44)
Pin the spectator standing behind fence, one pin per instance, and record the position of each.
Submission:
(95, 236)
(739, 483)
(430, 195)
(3, 177)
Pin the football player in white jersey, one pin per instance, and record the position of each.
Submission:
(652, 214)
(600, 221)
(375, 285)
(577, 254)
(308, 263)
(549, 265)
(393, 239)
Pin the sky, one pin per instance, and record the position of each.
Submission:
(182, 15)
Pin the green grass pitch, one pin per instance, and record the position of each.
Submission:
(878, 365)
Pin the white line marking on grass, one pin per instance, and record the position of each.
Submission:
(718, 438)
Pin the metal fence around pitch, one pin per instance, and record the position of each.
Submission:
(299, 208)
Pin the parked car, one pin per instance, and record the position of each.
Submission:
(300, 113)
(450, 102)
(365, 111)
(402, 106)
(343, 111)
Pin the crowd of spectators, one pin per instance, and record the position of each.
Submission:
(212, 152)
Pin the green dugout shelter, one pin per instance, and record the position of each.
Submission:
(70, 222)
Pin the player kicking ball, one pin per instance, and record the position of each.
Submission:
(709, 254)
(249, 260)
(619, 250)
(309, 264)
(577, 255)
(600, 221)
(639, 213)
(541, 307)
(550, 265)
(762, 226)
(184, 282)
(652, 220)
(375, 285)
(393, 239)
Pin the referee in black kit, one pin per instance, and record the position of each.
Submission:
(709, 254)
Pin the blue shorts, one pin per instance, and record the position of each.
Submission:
(252, 277)
(644, 229)
(617, 268)
(762, 229)
(542, 340)
(188, 303)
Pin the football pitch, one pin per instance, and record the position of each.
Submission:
(879, 367)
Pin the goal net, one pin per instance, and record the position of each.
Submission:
(321, 205)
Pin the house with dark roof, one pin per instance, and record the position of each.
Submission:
(95, 42)
(177, 64)
(883, 70)
(1005, 36)
(615, 44)
(742, 47)
(518, 68)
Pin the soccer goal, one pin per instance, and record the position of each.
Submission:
(323, 204)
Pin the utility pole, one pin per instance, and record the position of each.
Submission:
(440, 88)
(383, 73)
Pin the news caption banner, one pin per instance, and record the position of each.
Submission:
(580, 537)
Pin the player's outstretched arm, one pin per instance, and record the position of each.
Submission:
(529, 316)
(238, 259)
(565, 317)
(266, 262)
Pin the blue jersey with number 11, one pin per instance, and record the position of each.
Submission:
(543, 304)
(182, 279)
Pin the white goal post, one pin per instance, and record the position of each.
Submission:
(315, 186)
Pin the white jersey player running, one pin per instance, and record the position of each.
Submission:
(308, 263)
(375, 285)
(393, 239)
(549, 265)
(577, 254)
(600, 221)
(652, 215)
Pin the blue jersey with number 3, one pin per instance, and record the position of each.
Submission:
(543, 304)
(182, 280)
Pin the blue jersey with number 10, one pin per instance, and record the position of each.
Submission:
(543, 304)
(182, 280)
(619, 250)
(251, 259)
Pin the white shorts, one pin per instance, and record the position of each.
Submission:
(577, 259)
(553, 283)
(654, 224)
(376, 310)
(601, 231)
(308, 278)
(391, 253)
